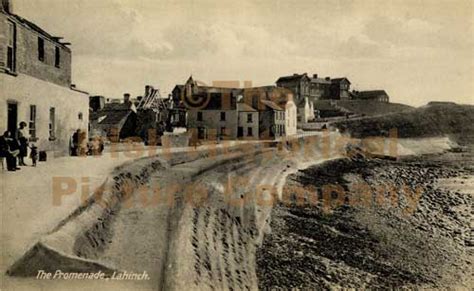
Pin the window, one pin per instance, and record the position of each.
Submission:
(40, 49)
(52, 123)
(222, 116)
(249, 131)
(199, 116)
(11, 47)
(79, 116)
(57, 57)
(223, 131)
(249, 118)
(32, 124)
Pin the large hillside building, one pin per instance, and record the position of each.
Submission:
(372, 95)
(35, 84)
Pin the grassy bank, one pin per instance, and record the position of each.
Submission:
(430, 120)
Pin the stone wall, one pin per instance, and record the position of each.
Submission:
(27, 61)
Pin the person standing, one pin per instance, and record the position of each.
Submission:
(75, 143)
(8, 150)
(22, 138)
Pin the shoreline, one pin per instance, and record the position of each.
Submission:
(377, 246)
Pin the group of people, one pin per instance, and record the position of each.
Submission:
(79, 146)
(14, 146)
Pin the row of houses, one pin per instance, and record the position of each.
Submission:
(267, 112)
(35, 76)
(144, 117)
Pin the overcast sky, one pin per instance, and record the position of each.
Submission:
(417, 50)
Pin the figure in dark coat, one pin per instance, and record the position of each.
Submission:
(22, 138)
(9, 150)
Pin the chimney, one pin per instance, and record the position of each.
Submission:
(327, 78)
(7, 6)
(315, 76)
(126, 98)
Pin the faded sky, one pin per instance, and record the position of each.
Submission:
(417, 50)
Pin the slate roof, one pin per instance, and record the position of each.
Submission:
(115, 114)
(338, 80)
(245, 107)
(292, 77)
(271, 105)
(320, 81)
(370, 94)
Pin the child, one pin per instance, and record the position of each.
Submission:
(34, 154)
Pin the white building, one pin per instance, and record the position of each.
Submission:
(35, 84)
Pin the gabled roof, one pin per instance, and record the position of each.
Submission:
(245, 107)
(179, 87)
(339, 80)
(115, 118)
(292, 77)
(271, 105)
(152, 100)
(113, 113)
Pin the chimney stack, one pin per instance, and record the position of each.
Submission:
(315, 76)
(7, 6)
(126, 98)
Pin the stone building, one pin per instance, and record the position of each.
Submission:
(143, 118)
(35, 84)
(270, 100)
(300, 86)
(374, 95)
(248, 122)
(116, 120)
(210, 111)
(272, 120)
(319, 88)
(339, 89)
(236, 113)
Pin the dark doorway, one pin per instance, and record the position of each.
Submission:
(12, 117)
(240, 131)
(201, 133)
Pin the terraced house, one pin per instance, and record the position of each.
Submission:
(35, 84)
(236, 113)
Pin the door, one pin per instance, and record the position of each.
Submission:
(12, 117)
(240, 131)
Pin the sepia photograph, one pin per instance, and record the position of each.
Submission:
(236, 145)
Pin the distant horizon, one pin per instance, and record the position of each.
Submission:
(415, 51)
